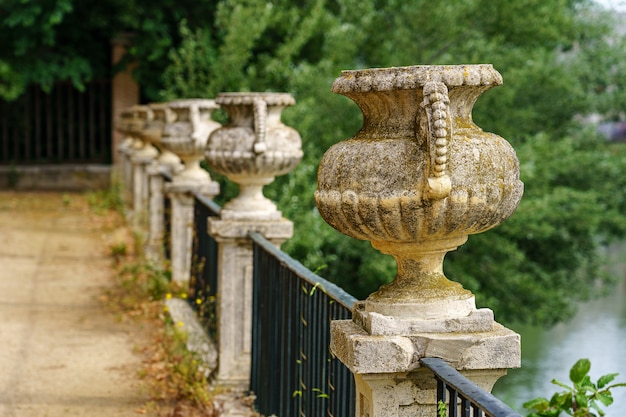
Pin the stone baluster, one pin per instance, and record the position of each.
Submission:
(125, 150)
(141, 158)
(416, 180)
(166, 164)
(186, 136)
(253, 148)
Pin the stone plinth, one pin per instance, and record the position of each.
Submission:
(182, 220)
(234, 300)
(389, 378)
(156, 226)
(185, 135)
(251, 149)
(141, 187)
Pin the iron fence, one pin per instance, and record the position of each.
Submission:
(461, 396)
(293, 370)
(167, 219)
(203, 285)
(63, 126)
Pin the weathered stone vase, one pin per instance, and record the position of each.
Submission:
(141, 115)
(252, 149)
(417, 179)
(152, 131)
(187, 135)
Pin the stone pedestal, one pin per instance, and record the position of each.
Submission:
(386, 359)
(141, 188)
(182, 220)
(156, 226)
(251, 149)
(234, 300)
(124, 168)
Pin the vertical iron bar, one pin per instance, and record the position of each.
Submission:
(60, 123)
(453, 406)
(82, 138)
(36, 118)
(71, 118)
(91, 125)
(5, 131)
(465, 407)
(49, 142)
(27, 138)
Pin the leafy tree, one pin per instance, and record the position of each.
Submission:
(45, 41)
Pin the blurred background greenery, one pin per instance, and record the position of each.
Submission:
(563, 64)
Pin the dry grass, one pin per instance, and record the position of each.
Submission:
(170, 374)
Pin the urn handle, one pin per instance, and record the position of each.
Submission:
(194, 119)
(260, 118)
(437, 107)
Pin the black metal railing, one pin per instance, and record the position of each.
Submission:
(63, 126)
(203, 285)
(167, 218)
(293, 370)
(462, 397)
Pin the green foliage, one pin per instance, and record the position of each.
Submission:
(103, 201)
(442, 409)
(543, 259)
(582, 399)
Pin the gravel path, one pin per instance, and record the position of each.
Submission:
(61, 353)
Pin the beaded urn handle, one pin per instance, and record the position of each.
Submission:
(260, 116)
(437, 106)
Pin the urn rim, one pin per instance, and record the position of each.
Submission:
(248, 98)
(414, 77)
(203, 103)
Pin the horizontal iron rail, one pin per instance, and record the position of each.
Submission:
(208, 203)
(478, 397)
(335, 292)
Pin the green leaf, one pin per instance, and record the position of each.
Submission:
(586, 384)
(605, 397)
(560, 384)
(579, 370)
(561, 400)
(605, 379)
(596, 407)
(538, 404)
(581, 400)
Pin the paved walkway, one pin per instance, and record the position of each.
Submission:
(61, 354)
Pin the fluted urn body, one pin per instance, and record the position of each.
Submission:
(152, 131)
(253, 148)
(141, 114)
(187, 134)
(418, 178)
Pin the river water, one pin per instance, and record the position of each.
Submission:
(598, 332)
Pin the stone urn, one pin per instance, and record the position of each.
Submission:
(417, 179)
(187, 134)
(141, 114)
(122, 125)
(252, 149)
(152, 131)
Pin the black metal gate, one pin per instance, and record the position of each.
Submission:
(63, 126)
